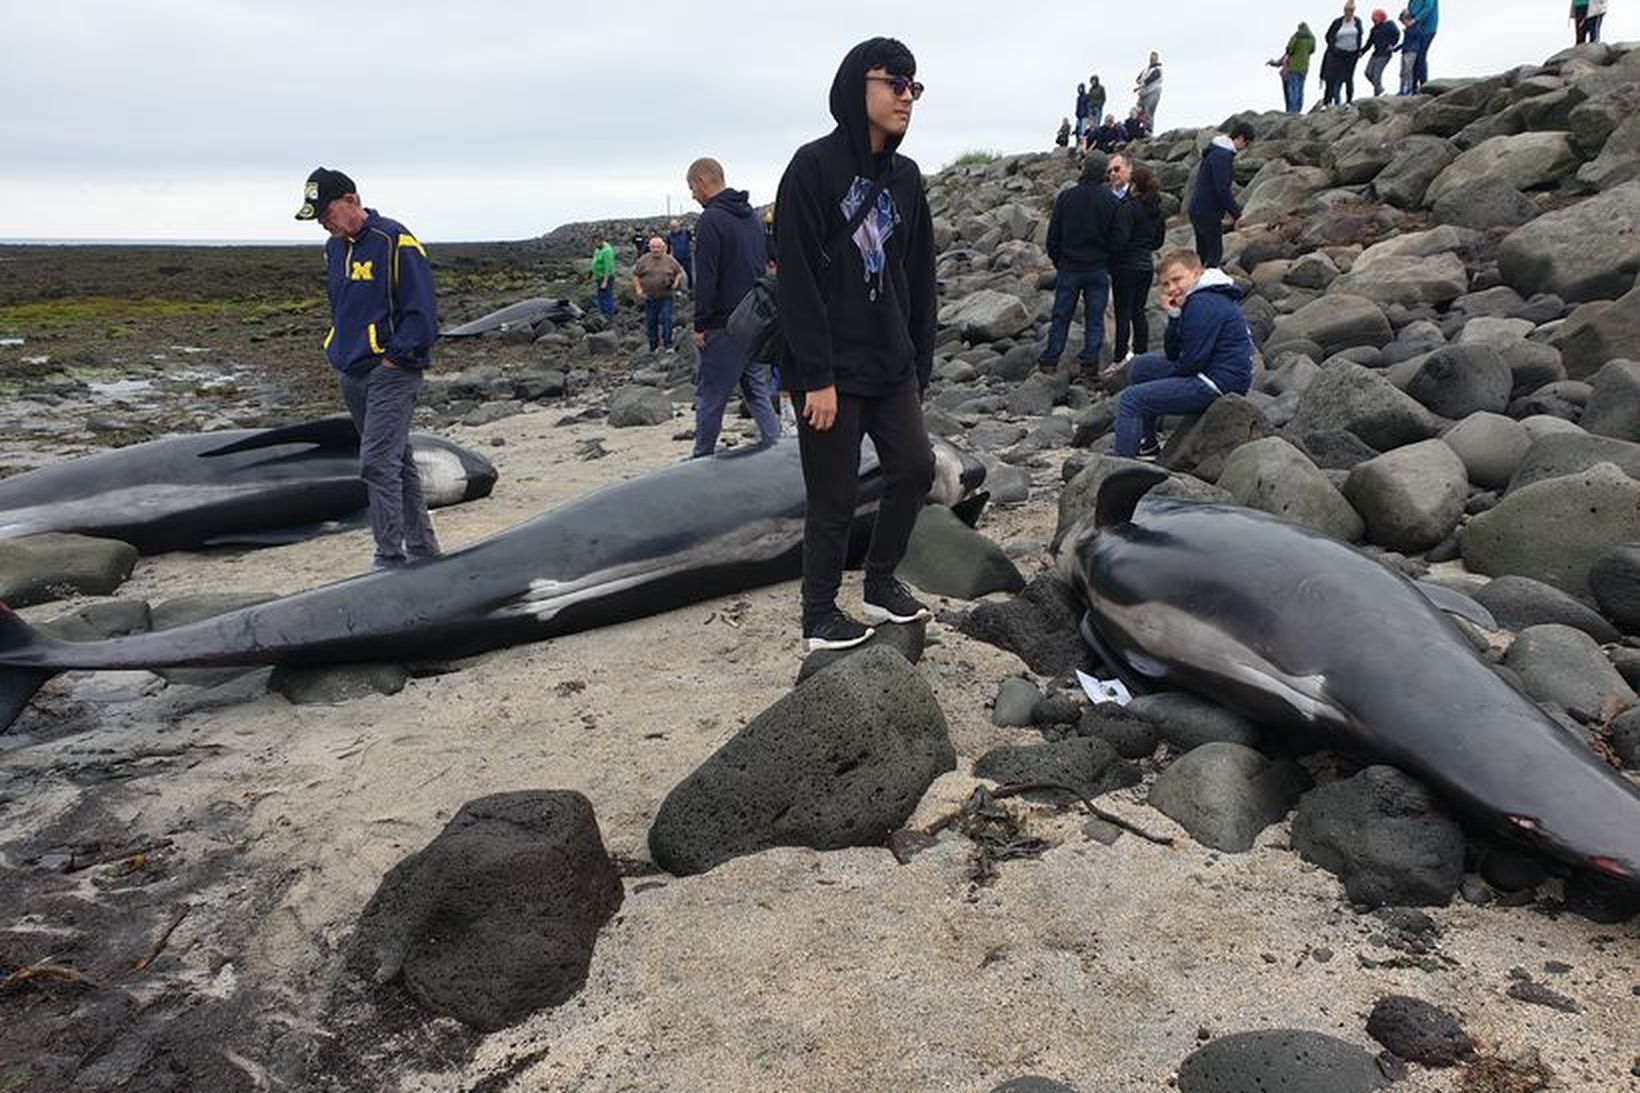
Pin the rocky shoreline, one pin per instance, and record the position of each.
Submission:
(1443, 292)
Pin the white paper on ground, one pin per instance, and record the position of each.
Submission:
(1103, 690)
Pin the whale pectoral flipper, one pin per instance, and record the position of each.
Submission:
(1456, 603)
(329, 432)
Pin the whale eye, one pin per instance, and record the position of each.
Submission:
(1525, 825)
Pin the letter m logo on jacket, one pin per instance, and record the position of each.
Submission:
(362, 271)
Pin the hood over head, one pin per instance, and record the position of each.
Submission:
(848, 93)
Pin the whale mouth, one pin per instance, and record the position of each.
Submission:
(1611, 868)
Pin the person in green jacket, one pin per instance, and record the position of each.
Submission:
(603, 272)
(1295, 66)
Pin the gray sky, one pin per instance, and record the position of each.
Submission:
(495, 119)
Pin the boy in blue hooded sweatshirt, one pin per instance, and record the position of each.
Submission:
(1209, 353)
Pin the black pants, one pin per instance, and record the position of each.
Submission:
(1131, 291)
(1588, 28)
(831, 474)
(1209, 240)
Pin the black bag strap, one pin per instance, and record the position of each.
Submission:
(859, 216)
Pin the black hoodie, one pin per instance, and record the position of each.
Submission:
(866, 331)
(730, 255)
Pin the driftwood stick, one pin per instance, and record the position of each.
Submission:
(46, 970)
(159, 945)
(1014, 789)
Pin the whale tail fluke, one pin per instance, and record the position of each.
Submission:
(17, 682)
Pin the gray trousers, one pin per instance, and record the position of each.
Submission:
(382, 402)
(723, 370)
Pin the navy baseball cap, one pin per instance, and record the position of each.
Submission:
(323, 187)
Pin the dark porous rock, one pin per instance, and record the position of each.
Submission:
(946, 557)
(1418, 1031)
(1484, 203)
(1225, 794)
(634, 405)
(1525, 990)
(546, 383)
(1614, 581)
(343, 683)
(1626, 659)
(1589, 250)
(1288, 1060)
(1418, 160)
(98, 621)
(1131, 735)
(1385, 836)
(1566, 667)
(1490, 446)
(603, 343)
(497, 916)
(1273, 476)
(1188, 721)
(1519, 602)
(1499, 302)
(1411, 498)
(1087, 766)
(906, 639)
(1038, 394)
(1015, 703)
(41, 568)
(1334, 322)
(1526, 533)
(840, 761)
(1458, 380)
(1613, 408)
(1509, 870)
(1056, 708)
(1358, 400)
(1039, 626)
(1601, 899)
(1571, 452)
(1201, 446)
(1334, 449)
(1033, 1084)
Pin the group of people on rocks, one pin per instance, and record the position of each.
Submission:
(1091, 134)
(1348, 40)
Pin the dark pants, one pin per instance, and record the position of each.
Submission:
(1209, 240)
(606, 298)
(1092, 287)
(1588, 28)
(1421, 74)
(1375, 71)
(831, 479)
(1340, 78)
(657, 321)
(724, 369)
(381, 402)
(1154, 391)
(1130, 290)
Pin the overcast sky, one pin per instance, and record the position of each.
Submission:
(493, 119)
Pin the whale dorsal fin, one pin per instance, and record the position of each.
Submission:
(329, 432)
(1120, 492)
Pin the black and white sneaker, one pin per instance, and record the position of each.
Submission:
(1149, 451)
(890, 601)
(834, 630)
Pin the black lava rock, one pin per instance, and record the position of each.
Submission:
(1089, 766)
(497, 916)
(1280, 1061)
(1418, 1031)
(1132, 736)
(1039, 626)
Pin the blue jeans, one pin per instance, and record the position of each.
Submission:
(723, 370)
(606, 298)
(1155, 391)
(1093, 288)
(1421, 76)
(657, 321)
(1293, 85)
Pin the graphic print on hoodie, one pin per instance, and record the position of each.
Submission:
(872, 236)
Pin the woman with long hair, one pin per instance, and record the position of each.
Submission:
(1144, 226)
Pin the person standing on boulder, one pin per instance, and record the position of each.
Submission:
(1096, 101)
(1382, 41)
(383, 322)
(1212, 197)
(731, 253)
(1412, 44)
(1081, 109)
(1149, 89)
(1144, 230)
(1586, 18)
(858, 316)
(1294, 63)
(1211, 354)
(1346, 40)
(603, 275)
(1082, 239)
(1426, 15)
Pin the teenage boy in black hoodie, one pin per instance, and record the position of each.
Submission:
(858, 318)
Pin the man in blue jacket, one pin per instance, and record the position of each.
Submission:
(1209, 353)
(678, 242)
(731, 253)
(1212, 199)
(383, 322)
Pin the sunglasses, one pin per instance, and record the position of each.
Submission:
(900, 85)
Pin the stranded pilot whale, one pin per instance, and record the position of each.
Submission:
(1299, 630)
(242, 486)
(672, 537)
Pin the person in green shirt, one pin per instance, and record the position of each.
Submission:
(603, 272)
(1295, 66)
